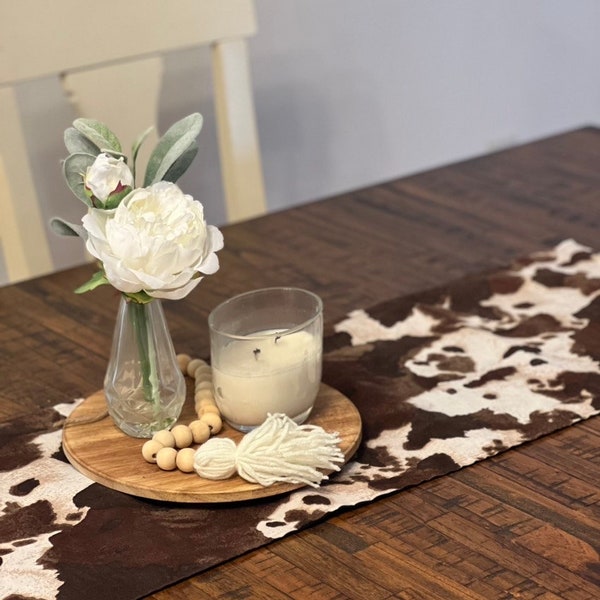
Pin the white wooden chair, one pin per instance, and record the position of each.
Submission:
(97, 49)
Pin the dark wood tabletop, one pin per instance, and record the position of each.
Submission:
(524, 524)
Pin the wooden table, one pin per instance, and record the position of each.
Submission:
(525, 524)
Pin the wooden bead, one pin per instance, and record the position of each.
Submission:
(185, 460)
(204, 400)
(166, 459)
(203, 373)
(165, 437)
(200, 431)
(204, 385)
(208, 408)
(183, 361)
(213, 421)
(200, 394)
(202, 403)
(150, 449)
(183, 436)
(193, 365)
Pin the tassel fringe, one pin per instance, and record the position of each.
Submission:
(277, 451)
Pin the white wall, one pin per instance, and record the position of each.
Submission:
(352, 92)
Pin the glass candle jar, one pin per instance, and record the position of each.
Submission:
(266, 355)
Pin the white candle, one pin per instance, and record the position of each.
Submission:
(274, 372)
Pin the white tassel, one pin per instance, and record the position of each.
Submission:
(277, 451)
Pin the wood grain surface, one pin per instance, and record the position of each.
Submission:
(100, 450)
(522, 525)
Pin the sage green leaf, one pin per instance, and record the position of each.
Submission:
(98, 279)
(74, 169)
(62, 227)
(136, 148)
(76, 142)
(180, 166)
(98, 133)
(171, 146)
(140, 140)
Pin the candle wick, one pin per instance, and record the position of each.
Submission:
(256, 352)
(277, 338)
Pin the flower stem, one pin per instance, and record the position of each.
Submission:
(147, 354)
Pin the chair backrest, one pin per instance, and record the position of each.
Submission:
(98, 49)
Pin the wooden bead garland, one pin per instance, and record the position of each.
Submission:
(171, 450)
(279, 450)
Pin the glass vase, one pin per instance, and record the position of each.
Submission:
(144, 387)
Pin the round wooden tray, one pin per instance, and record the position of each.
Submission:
(104, 453)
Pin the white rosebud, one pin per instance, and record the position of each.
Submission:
(107, 176)
(156, 240)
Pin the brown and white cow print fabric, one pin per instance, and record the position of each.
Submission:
(442, 379)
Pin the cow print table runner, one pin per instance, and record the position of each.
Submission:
(442, 379)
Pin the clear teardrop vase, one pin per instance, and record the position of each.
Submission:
(144, 387)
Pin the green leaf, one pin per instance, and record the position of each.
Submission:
(98, 279)
(180, 166)
(171, 146)
(140, 297)
(74, 169)
(77, 143)
(62, 227)
(136, 148)
(98, 133)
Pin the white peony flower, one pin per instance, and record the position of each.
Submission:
(156, 240)
(106, 176)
